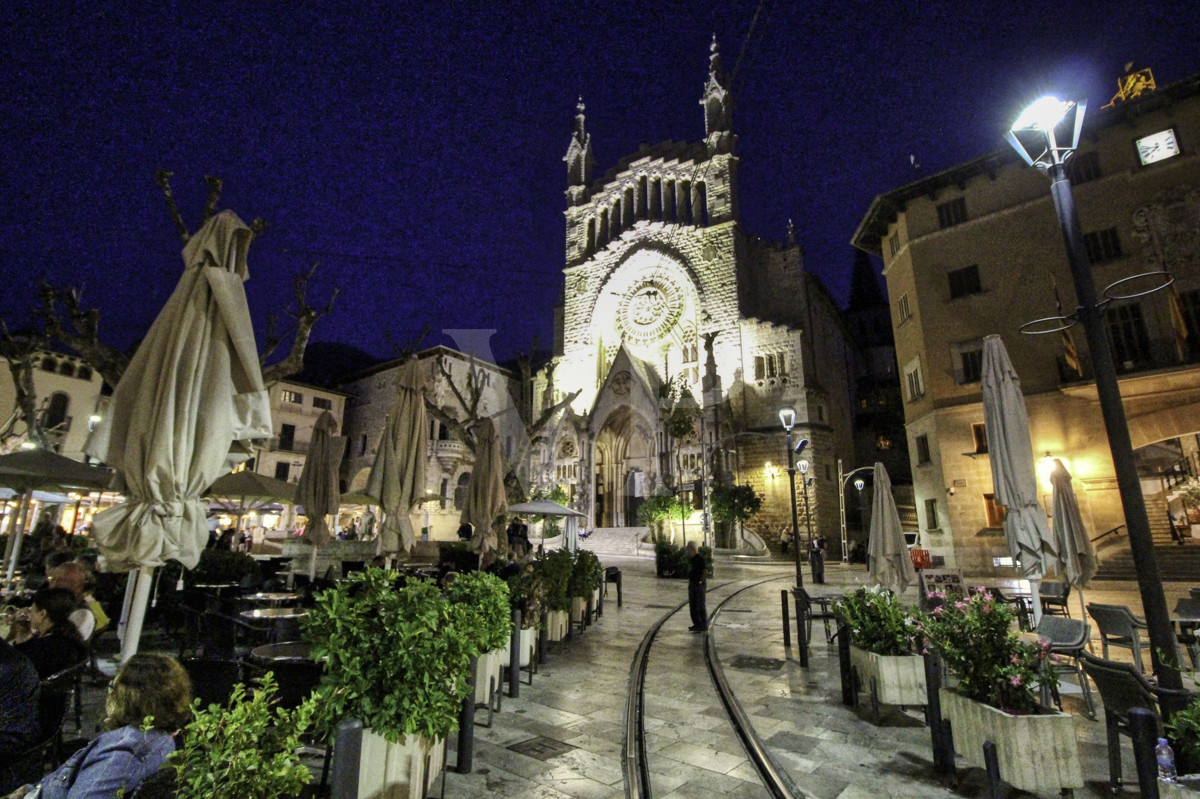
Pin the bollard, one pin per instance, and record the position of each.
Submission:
(943, 751)
(801, 635)
(849, 690)
(466, 723)
(514, 657)
(787, 623)
(347, 748)
(991, 765)
(1143, 728)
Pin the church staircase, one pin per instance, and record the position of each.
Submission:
(617, 541)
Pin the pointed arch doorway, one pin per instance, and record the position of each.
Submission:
(624, 467)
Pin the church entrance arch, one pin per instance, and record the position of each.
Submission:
(624, 466)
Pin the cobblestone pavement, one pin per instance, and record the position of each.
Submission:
(562, 736)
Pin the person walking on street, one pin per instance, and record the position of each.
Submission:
(816, 559)
(697, 582)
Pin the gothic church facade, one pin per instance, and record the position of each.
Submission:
(666, 293)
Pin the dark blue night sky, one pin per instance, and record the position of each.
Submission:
(414, 149)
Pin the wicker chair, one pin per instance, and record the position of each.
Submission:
(1068, 639)
(1122, 688)
(1118, 627)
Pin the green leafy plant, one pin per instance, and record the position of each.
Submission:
(244, 750)
(485, 599)
(554, 570)
(216, 567)
(878, 622)
(528, 592)
(551, 525)
(659, 509)
(395, 657)
(734, 503)
(976, 639)
(672, 561)
(587, 574)
(1184, 729)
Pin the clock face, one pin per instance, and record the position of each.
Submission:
(1157, 147)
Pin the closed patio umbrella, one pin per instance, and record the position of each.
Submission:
(1076, 554)
(397, 479)
(888, 561)
(486, 498)
(318, 491)
(189, 407)
(1013, 477)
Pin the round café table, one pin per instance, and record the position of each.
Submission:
(284, 621)
(272, 597)
(286, 652)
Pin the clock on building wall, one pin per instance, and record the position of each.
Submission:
(650, 309)
(1157, 147)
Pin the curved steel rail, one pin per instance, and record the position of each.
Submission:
(637, 773)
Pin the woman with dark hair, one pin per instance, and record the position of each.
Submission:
(116, 762)
(48, 637)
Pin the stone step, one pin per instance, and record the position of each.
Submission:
(1176, 564)
(616, 540)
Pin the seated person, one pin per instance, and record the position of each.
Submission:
(117, 761)
(73, 577)
(47, 637)
(18, 702)
(89, 598)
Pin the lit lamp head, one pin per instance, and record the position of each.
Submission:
(858, 483)
(1034, 131)
(28, 445)
(803, 466)
(787, 417)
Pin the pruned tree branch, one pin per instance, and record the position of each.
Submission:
(20, 354)
(214, 197)
(306, 317)
(163, 178)
(83, 332)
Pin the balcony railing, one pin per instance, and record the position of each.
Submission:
(1159, 354)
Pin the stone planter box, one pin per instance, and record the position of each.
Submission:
(578, 609)
(398, 770)
(527, 646)
(899, 679)
(1188, 787)
(557, 624)
(487, 674)
(1037, 753)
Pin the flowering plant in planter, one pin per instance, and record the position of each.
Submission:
(976, 639)
(878, 622)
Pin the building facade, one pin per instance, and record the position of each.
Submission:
(294, 411)
(977, 250)
(68, 397)
(668, 300)
(447, 374)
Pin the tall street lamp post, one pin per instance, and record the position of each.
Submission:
(787, 416)
(1042, 119)
(858, 484)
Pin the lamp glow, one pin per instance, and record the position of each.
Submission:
(803, 467)
(1043, 114)
(858, 483)
(787, 417)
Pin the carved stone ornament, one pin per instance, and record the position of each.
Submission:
(649, 310)
(621, 383)
(1168, 230)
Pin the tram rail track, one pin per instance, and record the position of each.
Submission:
(635, 761)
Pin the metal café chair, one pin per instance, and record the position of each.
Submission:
(1118, 627)
(1068, 639)
(1122, 688)
(1194, 593)
(1054, 597)
(1189, 609)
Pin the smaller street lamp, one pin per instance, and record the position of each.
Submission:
(804, 466)
(858, 484)
(787, 417)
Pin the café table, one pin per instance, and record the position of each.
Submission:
(284, 652)
(272, 597)
(285, 622)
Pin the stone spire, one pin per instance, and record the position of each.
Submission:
(579, 157)
(718, 104)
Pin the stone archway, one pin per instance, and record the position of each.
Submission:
(625, 463)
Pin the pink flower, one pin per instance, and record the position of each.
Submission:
(1015, 680)
(987, 607)
(1016, 659)
(961, 605)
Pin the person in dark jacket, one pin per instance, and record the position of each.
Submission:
(49, 638)
(18, 702)
(697, 582)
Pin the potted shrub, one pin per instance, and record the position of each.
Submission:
(1184, 730)
(881, 649)
(527, 592)
(396, 658)
(554, 570)
(730, 505)
(655, 511)
(245, 750)
(484, 599)
(587, 575)
(996, 699)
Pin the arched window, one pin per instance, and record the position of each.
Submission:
(656, 198)
(49, 365)
(84, 373)
(460, 490)
(628, 207)
(670, 210)
(685, 203)
(603, 239)
(643, 187)
(591, 236)
(67, 369)
(700, 204)
(56, 410)
(616, 217)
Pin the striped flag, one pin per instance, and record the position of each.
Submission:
(1178, 323)
(1069, 352)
